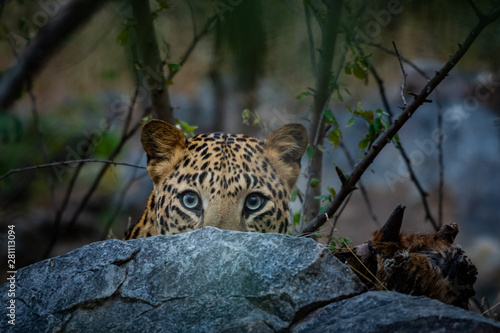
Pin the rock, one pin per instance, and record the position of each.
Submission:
(208, 280)
(212, 280)
(388, 311)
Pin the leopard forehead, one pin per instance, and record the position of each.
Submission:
(224, 152)
(224, 165)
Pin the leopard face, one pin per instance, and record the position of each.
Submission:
(228, 181)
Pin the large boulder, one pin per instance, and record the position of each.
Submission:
(208, 280)
(388, 311)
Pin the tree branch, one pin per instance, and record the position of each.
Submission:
(150, 60)
(399, 146)
(66, 163)
(208, 26)
(48, 40)
(386, 136)
(322, 94)
(403, 85)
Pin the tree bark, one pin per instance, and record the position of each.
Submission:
(150, 61)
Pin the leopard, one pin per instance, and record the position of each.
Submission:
(227, 181)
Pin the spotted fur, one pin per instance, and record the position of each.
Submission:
(228, 181)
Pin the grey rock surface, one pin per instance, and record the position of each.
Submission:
(212, 280)
(387, 311)
(208, 280)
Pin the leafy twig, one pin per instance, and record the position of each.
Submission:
(402, 151)
(386, 136)
(322, 93)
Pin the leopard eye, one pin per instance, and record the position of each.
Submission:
(190, 200)
(254, 202)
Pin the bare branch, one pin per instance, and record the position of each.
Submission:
(66, 163)
(121, 199)
(362, 189)
(440, 161)
(48, 40)
(410, 63)
(386, 136)
(403, 85)
(479, 13)
(208, 26)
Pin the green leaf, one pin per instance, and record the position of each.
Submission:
(310, 151)
(186, 128)
(332, 191)
(367, 115)
(323, 208)
(123, 36)
(330, 118)
(314, 182)
(323, 197)
(359, 72)
(174, 67)
(339, 96)
(163, 4)
(303, 95)
(321, 148)
(350, 122)
(296, 218)
(335, 137)
(372, 131)
(364, 143)
(347, 69)
(295, 194)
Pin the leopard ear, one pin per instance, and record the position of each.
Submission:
(286, 145)
(161, 142)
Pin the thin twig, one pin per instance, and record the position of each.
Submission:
(208, 26)
(479, 13)
(101, 173)
(440, 161)
(403, 85)
(48, 165)
(398, 145)
(121, 199)
(60, 212)
(336, 219)
(405, 60)
(61, 209)
(382, 286)
(364, 193)
(193, 21)
(387, 135)
(491, 308)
